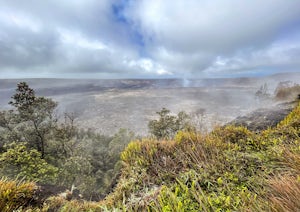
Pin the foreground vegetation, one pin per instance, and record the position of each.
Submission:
(228, 169)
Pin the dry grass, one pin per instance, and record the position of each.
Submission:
(292, 160)
(61, 204)
(15, 194)
(285, 193)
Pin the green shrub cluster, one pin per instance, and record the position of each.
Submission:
(19, 161)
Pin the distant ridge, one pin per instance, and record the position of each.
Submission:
(45, 85)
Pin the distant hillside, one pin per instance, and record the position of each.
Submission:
(43, 83)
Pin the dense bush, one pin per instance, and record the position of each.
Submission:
(26, 163)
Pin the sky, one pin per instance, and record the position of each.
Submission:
(148, 38)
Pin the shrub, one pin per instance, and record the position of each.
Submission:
(168, 125)
(26, 163)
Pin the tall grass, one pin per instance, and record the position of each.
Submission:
(15, 195)
(285, 193)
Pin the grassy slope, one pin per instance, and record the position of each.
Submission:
(230, 169)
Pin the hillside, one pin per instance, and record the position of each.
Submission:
(229, 169)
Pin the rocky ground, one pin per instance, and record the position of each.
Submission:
(263, 118)
(108, 111)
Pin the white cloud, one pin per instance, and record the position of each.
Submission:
(164, 72)
(277, 55)
(19, 20)
(190, 35)
(210, 25)
(147, 38)
(76, 38)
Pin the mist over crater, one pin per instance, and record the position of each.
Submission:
(108, 105)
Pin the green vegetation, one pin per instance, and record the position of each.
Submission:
(26, 163)
(168, 125)
(228, 169)
(37, 146)
(34, 112)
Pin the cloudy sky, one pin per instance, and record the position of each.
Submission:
(148, 38)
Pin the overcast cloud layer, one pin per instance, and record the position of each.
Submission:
(143, 38)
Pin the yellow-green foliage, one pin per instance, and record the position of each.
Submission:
(292, 118)
(26, 163)
(230, 169)
(15, 194)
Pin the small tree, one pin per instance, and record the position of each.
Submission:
(23, 99)
(36, 113)
(168, 125)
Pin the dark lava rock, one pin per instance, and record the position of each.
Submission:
(264, 118)
(45, 191)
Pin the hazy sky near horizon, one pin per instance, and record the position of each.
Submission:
(148, 38)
